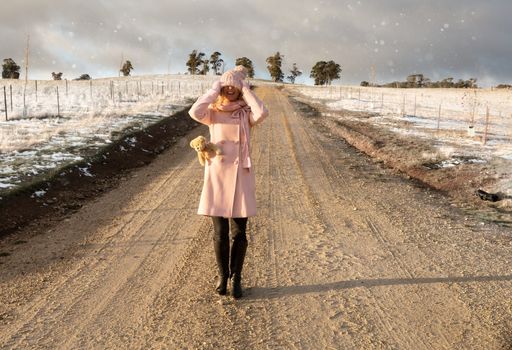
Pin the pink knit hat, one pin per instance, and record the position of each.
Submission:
(234, 77)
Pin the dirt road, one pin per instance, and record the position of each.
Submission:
(343, 254)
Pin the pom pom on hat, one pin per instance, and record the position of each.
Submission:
(234, 77)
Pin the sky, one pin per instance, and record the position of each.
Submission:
(372, 40)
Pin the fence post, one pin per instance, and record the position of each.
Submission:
(403, 107)
(66, 87)
(5, 104)
(24, 101)
(58, 103)
(179, 88)
(439, 118)
(414, 104)
(474, 108)
(486, 124)
(10, 93)
(162, 87)
(90, 88)
(36, 94)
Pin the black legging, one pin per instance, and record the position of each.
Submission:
(230, 260)
(221, 229)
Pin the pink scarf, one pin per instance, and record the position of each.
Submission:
(240, 110)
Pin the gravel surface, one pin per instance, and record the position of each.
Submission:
(344, 254)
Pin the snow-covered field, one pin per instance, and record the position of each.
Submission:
(45, 135)
(446, 116)
(441, 117)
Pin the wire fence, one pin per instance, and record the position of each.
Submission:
(476, 112)
(63, 97)
(486, 114)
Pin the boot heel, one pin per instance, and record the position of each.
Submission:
(236, 286)
(222, 286)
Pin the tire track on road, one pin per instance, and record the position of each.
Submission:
(373, 221)
(321, 188)
(329, 264)
(66, 297)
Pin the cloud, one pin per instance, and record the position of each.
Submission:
(397, 37)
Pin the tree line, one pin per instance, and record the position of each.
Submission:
(199, 64)
(323, 72)
(10, 70)
(420, 81)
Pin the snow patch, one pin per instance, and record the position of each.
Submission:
(38, 194)
(85, 171)
(90, 118)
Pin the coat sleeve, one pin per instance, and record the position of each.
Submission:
(258, 110)
(200, 111)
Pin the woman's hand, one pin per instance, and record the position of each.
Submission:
(217, 86)
(245, 84)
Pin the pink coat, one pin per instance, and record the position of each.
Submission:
(229, 190)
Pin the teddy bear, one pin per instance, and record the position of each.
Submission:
(204, 149)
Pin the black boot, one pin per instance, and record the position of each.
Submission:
(221, 248)
(222, 257)
(238, 250)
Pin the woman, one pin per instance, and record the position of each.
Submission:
(230, 109)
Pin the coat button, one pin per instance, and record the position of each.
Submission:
(223, 142)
